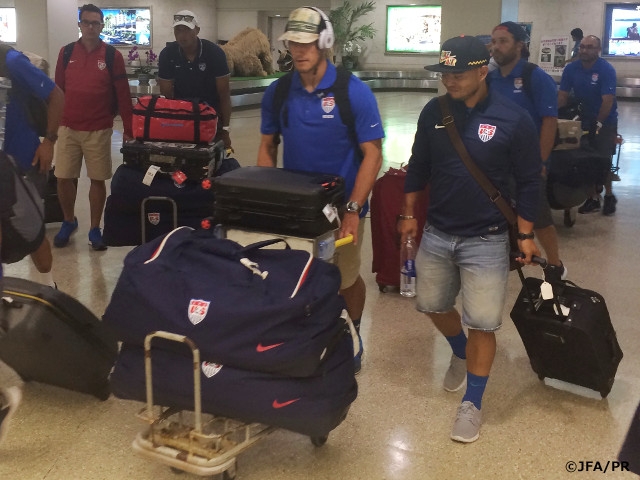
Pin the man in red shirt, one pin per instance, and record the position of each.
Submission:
(87, 122)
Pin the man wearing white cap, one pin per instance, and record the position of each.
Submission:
(318, 139)
(192, 67)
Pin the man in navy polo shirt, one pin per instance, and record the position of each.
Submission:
(540, 99)
(192, 67)
(465, 244)
(316, 140)
(593, 82)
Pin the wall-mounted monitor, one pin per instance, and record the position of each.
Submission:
(413, 28)
(621, 25)
(126, 26)
(8, 25)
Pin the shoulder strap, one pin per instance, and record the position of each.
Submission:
(282, 91)
(527, 71)
(341, 91)
(494, 194)
(66, 53)
(4, 50)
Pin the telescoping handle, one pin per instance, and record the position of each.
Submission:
(344, 241)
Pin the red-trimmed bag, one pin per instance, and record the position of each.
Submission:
(160, 119)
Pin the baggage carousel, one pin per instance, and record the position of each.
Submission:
(249, 92)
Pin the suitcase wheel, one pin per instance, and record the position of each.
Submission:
(319, 441)
(540, 377)
(569, 217)
(387, 288)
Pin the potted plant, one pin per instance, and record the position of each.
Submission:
(350, 53)
(343, 20)
(142, 68)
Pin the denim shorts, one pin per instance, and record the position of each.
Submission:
(477, 267)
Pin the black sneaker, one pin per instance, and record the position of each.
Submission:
(590, 205)
(555, 273)
(609, 207)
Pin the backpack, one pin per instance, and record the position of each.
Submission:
(527, 71)
(340, 89)
(109, 55)
(21, 211)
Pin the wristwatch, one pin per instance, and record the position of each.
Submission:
(353, 207)
(525, 236)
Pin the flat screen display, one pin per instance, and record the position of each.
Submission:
(126, 26)
(413, 28)
(621, 24)
(8, 25)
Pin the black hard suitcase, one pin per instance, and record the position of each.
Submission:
(277, 200)
(580, 347)
(49, 337)
(197, 162)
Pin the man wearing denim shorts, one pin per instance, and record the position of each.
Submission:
(464, 247)
(91, 91)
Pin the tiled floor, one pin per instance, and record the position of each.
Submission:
(399, 426)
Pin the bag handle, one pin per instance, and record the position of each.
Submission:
(494, 194)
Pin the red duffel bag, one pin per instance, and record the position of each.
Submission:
(160, 119)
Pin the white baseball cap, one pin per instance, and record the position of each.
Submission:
(186, 18)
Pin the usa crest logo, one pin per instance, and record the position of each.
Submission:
(202, 66)
(102, 64)
(197, 310)
(486, 132)
(594, 77)
(328, 104)
(210, 369)
(153, 217)
(517, 83)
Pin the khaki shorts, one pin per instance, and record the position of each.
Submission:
(348, 259)
(94, 146)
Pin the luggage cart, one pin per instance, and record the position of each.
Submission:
(192, 445)
(616, 168)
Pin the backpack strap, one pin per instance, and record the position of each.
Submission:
(4, 50)
(527, 71)
(340, 89)
(66, 54)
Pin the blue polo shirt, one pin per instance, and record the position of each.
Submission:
(20, 139)
(315, 139)
(543, 101)
(589, 85)
(195, 79)
(501, 139)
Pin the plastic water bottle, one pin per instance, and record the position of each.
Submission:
(408, 268)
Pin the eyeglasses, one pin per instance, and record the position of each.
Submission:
(588, 47)
(87, 23)
(186, 18)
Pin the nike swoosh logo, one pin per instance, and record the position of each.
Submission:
(263, 348)
(375, 124)
(438, 126)
(71, 61)
(277, 404)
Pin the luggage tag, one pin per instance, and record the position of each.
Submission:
(150, 174)
(179, 178)
(330, 212)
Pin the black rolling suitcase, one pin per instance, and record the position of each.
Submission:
(577, 345)
(197, 162)
(52, 209)
(49, 337)
(277, 200)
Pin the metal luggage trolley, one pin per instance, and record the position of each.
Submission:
(201, 447)
(210, 447)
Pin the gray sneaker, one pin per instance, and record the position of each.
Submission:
(456, 376)
(466, 428)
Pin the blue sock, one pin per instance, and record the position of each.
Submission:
(475, 389)
(458, 344)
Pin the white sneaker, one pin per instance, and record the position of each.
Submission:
(466, 428)
(456, 375)
(9, 401)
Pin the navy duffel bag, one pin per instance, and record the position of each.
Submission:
(312, 406)
(254, 308)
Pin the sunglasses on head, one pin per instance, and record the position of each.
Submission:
(186, 18)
